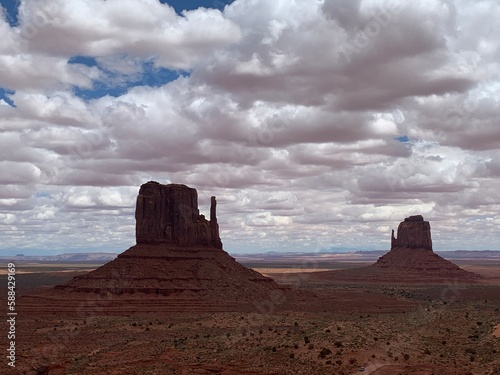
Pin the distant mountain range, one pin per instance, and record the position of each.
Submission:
(364, 256)
(69, 257)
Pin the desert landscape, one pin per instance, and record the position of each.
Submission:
(250, 187)
(177, 303)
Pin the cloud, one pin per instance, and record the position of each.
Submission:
(143, 28)
(317, 124)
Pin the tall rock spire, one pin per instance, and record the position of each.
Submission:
(214, 226)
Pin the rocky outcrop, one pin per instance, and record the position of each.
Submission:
(169, 214)
(411, 252)
(179, 256)
(413, 233)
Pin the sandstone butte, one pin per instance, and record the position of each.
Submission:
(411, 259)
(179, 255)
(412, 251)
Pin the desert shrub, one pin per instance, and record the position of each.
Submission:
(310, 347)
(291, 355)
(306, 340)
(338, 344)
(427, 351)
(338, 362)
(324, 352)
(274, 349)
(406, 357)
(352, 361)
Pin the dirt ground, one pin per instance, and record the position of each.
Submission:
(448, 328)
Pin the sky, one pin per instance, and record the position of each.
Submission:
(318, 124)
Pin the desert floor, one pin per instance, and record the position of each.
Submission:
(370, 328)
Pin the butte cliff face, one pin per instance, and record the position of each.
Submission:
(413, 233)
(178, 255)
(412, 252)
(169, 214)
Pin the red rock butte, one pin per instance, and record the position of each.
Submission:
(412, 251)
(168, 214)
(411, 259)
(178, 255)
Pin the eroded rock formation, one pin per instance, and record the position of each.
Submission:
(179, 255)
(169, 214)
(412, 251)
(413, 233)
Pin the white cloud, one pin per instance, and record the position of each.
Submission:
(290, 116)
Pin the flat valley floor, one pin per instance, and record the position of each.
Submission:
(358, 328)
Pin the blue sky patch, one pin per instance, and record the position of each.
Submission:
(84, 60)
(4, 95)
(11, 11)
(402, 139)
(180, 5)
(116, 84)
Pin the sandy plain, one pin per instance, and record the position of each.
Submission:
(448, 328)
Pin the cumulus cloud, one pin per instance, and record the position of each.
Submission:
(318, 124)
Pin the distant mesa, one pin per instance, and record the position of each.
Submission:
(178, 255)
(412, 251)
(411, 259)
